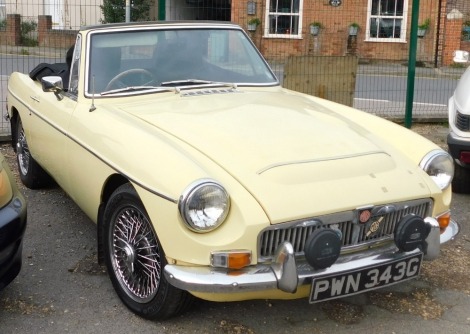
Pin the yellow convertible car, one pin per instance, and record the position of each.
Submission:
(206, 178)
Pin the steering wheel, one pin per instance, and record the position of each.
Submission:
(119, 81)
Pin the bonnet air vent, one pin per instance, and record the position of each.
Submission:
(209, 92)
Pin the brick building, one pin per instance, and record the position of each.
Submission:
(284, 25)
(384, 27)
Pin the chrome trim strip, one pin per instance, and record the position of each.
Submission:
(175, 25)
(429, 157)
(180, 24)
(89, 150)
(347, 156)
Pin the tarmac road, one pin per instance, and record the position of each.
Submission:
(61, 289)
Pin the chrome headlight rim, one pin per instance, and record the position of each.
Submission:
(428, 164)
(195, 189)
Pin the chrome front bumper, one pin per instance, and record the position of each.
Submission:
(287, 274)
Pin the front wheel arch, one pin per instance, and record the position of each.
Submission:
(13, 124)
(112, 183)
(32, 175)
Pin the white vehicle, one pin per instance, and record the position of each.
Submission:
(458, 139)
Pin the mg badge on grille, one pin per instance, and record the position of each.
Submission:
(374, 227)
(373, 217)
(364, 216)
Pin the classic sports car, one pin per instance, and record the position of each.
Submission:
(12, 225)
(206, 178)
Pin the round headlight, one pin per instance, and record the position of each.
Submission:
(204, 205)
(439, 166)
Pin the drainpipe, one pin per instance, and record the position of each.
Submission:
(410, 88)
(128, 10)
(161, 10)
(438, 34)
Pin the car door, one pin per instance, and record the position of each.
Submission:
(48, 128)
(50, 133)
(86, 168)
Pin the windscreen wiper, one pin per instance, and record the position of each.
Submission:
(196, 82)
(171, 86)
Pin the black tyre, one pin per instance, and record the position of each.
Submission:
(31, 174)
(135, 259)
(461, 181)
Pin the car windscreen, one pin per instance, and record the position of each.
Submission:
(153, 58)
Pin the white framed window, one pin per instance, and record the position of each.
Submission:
(386, 20)
(3, 11)
(283, 18)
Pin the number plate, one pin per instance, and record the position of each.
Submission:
(364, 279)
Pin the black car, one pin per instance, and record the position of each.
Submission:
(12, 225)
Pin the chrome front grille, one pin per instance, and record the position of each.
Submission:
(462, 122)
(354, 234)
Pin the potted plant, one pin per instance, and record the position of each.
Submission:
(466, 31)
(315, 28)
(253, 24)
(353, 29)
(423, 27)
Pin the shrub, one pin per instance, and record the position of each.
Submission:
(115, 10)
(26, 28)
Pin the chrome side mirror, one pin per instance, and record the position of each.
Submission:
(53, 84)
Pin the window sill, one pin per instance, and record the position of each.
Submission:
(283, 36)
(386, 40)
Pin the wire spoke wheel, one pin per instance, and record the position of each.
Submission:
(22, 151)
(137, 256)
(31, 173)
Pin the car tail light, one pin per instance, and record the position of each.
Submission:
(465, 157)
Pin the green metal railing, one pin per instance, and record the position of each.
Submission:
(410, 87)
